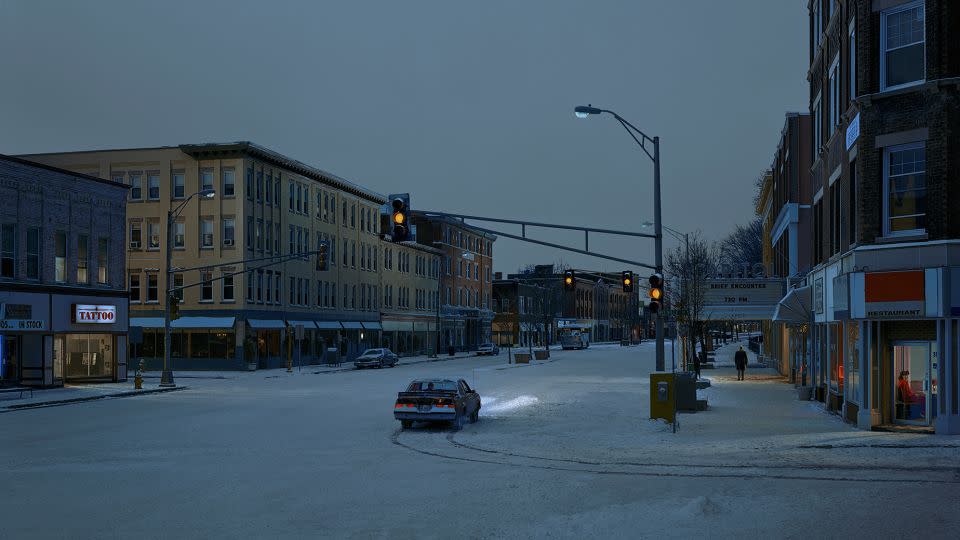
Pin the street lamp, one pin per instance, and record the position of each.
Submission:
(584, 112)
(166, 376)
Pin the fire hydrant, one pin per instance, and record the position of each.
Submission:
(138, 378)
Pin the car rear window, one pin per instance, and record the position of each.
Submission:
(435, 386)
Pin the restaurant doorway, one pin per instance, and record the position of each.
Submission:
(914, 382)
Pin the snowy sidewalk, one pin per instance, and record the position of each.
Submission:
(76, 393)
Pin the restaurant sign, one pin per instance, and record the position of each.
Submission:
(894, 295)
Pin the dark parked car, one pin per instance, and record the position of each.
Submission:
(488, 348)
(437, 400)
(376, 358)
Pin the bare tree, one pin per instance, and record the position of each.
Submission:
(688, 269)
(743, 246)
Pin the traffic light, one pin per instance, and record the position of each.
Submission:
(655, 292)
(569, 280)
(174, 307)
(400, 230)
(322, 257)
(626, 280)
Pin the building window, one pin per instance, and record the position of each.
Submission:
(250, 287)
(905, 191)
(353, 216)
(178, 286)
(852, 61)
(834, 84)
(153, 235)
(178, 236)
(306, 202)
(853, 202)
(249, 233)
(290, 187)
(33, 253)
(269, 237)
(249, 183)
(8, 250)
(269, 293)
(293, 241)
(260, 285)
(277, 283)
(179, 184)
(135, 235)
(259, 234)
(229, 181)
(226, 288)
(259, 186)
(134, 288)
(293, 290)
(229, 226)
(817, 126)
(83, 259)
(153, 288)
(269, 187)
(276, 239)
(276, 192)
(206, 233)
(60, 256)
(136, 187)
(206, 287)
(299, 198)
(153, 186)
(902, 56)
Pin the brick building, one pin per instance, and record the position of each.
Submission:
(466, 279)
(885, 104)
(63, 298)
(784, 206)
(523, 312)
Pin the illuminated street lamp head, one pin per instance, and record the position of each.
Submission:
(581, 111)
(207, 193)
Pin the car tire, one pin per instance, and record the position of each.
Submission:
(457, 423)
(406, 424)
(475, 416)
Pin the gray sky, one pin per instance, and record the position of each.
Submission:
(466, 105)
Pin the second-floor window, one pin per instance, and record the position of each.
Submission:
(136, 187)
(229, 227)
(902, 58)
(83, 259)
(60, 256)
(178, 235)
(33, 253)
(834, 81)
(8, 250)
(103, 258)
(905, 189)
(206, 289)
(153, 235)
(134, 287)
(153, 186)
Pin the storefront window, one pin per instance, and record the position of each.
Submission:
(853, 362)
(89, 356)
(836, 358)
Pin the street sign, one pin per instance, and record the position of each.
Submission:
(299, 330)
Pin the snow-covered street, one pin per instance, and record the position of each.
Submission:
(563, 449)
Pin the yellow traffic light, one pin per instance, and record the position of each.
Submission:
(398, 218)
(627, 282)
(569, 280)
(655, 294)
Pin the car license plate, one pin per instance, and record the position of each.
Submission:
(425, 407)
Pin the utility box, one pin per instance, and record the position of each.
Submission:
(686, 392)
(663, 396)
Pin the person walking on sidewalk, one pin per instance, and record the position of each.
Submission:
(740, 359)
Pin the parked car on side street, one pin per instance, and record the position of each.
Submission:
(437, 400)
(488, 349)
(377, 358)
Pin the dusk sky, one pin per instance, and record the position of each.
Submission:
(468, 106)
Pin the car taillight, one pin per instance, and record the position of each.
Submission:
(403, 405)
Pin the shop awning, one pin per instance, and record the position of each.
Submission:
(795, 308)
(147, 322)
(328, 325)
(266, 324)
(352, 325)
(307, 325)
(373, 325)
(202, 322)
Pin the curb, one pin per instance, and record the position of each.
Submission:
(399, 364)
(60, 402)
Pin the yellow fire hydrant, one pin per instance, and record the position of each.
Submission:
(138, 378)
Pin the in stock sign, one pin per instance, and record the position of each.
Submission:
(94, 314)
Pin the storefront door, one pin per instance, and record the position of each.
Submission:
(914, 392)
(9, 360)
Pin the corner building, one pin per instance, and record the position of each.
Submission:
(240, 315)
(885, 286)
(63, 299)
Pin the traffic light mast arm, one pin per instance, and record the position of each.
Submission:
(535, 224)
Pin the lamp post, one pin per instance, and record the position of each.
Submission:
(584, 112)
(166, 376)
